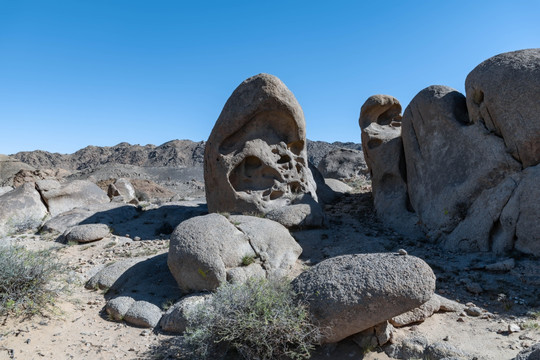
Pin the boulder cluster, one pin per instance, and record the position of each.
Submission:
(464, 169)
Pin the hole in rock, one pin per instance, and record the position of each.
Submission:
(253, 175)
(390, 115)
(296, 187)
(296, 147)
(478, 96)
(298, 168)
(284, 159)
(276, 194)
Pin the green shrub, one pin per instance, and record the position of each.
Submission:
(260, 319)
(25, 280)
(247, 260)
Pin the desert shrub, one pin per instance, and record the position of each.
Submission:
(25, 280)
(260, 319)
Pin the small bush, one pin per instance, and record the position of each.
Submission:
(247, 260)
(24, 280)
(259, 319)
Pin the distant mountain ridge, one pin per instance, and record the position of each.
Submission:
(174, 153)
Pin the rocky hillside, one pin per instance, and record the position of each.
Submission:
(175, 153)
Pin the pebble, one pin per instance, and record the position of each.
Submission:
(402, 252)
(513, 328)
(473, 311)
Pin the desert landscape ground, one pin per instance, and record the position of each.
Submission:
(409, 246)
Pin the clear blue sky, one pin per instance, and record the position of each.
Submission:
(78, 72)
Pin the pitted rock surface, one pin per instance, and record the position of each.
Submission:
(255, 157)
(351, 293)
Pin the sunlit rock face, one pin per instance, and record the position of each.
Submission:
(255, 158)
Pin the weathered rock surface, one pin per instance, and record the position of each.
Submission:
(418, 314)
(107, 277)
(351, 293)
(144, 314)
(380, 122)
(502, 95)
(9, 167)
(106, 213)
(272, 243)
(118, 307)
(61, 197)
(122, 188)
(21, 209)
(443, 179)
(176, 318)
(298, 215)
(533, 353)
(87, 233)
(202, 249)
(343, 164)
(5, 189)
(255, 157)
(206, 251)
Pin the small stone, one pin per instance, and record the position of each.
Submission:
(446, 338)
(473, 311)
(512, 328)
(402, 252)
(474, 288)
(137, 238)
(460, 319)
(145, 333)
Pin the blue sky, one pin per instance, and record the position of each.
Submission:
(77, 72)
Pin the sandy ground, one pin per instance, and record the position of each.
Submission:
(78, 328)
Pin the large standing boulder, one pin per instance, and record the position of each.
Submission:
(380, 122)
(350, 293)
(255, 159)
(206, 251)
(21, 209)
(502, 96)
(61, 197)
(450, 161)
(343, 164)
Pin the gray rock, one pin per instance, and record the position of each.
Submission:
(343, 164)
(108, 213)
(448, 305)
(202, 249)
(87, 233)
(325, 194)
(418, 314)
(337, 186)
(380, 122)
(524, 211)
(108, 276)
(501, 96)
(443, 179)
(473, 311)
(378, 335)
(9, 167)
(271, 241)
(5, 189)
(409, 348)
(176, 318)
(348, 294)
(240, 275)
(441, 350)
(532, 353)
(143, 314)
(255, 159)
(122, 188)
(118, 307)
(298, 215)
(21, 209)
(504, 265)
(61, 197)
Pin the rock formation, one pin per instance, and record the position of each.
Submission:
(343, 164)
(463, 164)
(351, 293)
(255, 157)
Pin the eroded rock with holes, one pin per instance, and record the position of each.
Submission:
(502, 96)
(255, 159)
(380, 122)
